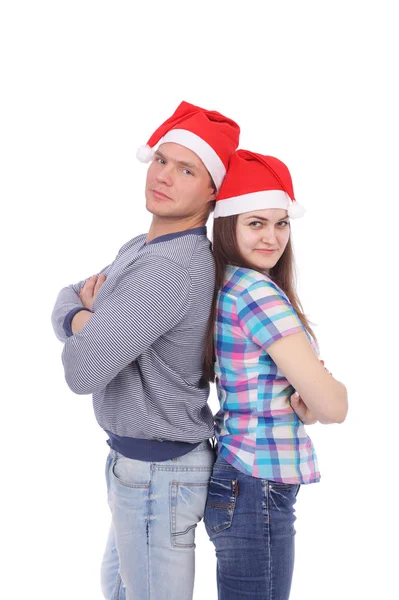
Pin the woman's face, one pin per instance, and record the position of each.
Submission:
(262, 236)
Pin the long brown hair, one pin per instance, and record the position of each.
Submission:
(225, 252)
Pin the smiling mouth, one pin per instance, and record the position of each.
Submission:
(265, 251)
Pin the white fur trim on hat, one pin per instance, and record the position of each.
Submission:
(206, 153)
(238, 205)
(145, 153)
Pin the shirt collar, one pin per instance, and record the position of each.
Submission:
(177, 234)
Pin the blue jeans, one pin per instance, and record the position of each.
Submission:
(251, 524)
(155, 509)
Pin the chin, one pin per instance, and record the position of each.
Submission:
(265, 264)
(149, 207)
(159, 210)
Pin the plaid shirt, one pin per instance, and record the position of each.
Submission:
(257, 430)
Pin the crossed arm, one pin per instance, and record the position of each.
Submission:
(138, 311)
(268, 319)
(67, 300)
(306, 377)
(321, 396)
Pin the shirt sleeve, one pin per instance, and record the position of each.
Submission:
(67, 301)
(265, 315)
(149, 301)
(68, 319)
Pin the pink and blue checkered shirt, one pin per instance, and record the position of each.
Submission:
(258, 432)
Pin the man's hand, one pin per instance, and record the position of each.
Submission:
(87, 294)
(302, 411)
(90, 290)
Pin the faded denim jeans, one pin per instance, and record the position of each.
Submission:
(251, 524)
(155, 509)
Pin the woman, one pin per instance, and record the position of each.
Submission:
(265, 349)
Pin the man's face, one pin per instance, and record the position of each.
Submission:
(178, 184)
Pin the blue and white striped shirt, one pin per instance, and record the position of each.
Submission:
(141, 352)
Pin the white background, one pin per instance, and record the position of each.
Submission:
(83, 84)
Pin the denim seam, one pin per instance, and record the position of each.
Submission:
(187, 469)
(189, 528)
(148, 540)
(269, 542)
(118, 587)
(227, 468)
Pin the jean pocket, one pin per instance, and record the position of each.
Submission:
(279, 487)
(187, 504)
(124, 472)
(221, 503)
(283, 495)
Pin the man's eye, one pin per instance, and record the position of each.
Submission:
(187, 172)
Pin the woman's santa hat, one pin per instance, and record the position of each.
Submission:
(212, 136)
(255, 182)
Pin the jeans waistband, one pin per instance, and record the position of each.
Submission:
(205, 445)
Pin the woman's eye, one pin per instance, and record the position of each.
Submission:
(161, 161)
(255, 223)
(283, 223)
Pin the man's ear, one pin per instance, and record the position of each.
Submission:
(213, 192)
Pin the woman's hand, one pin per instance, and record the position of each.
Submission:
(302, 411)
(322, 362)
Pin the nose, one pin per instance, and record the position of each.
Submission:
(165, 175)
(269, 235)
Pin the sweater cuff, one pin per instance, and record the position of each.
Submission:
(68, 319)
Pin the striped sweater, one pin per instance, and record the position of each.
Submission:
(140, 354)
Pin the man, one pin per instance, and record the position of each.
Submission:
(134, 339)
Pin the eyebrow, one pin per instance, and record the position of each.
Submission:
(179, 162)
(263, 218)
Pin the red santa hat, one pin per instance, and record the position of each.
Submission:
(212, 136)
(254, 182)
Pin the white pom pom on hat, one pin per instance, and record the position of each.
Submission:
(296, 210)
(145, 154)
